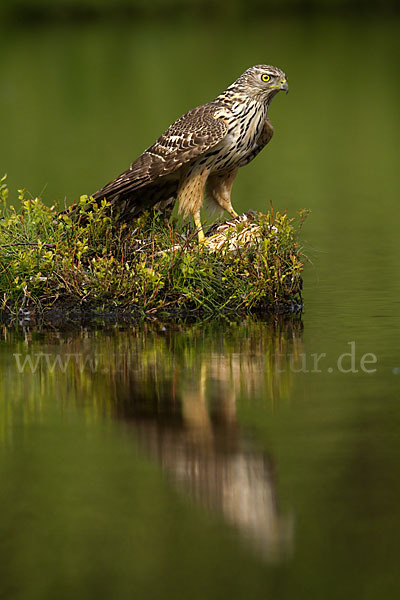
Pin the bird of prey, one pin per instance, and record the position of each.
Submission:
(201, 152)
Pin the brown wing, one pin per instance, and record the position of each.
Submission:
(192, 135)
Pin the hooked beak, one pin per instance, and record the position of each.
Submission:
(284, 85)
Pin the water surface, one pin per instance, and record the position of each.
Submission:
(239, 460)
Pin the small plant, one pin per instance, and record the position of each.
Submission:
(86, 257)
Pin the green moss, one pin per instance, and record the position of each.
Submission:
(88, 258)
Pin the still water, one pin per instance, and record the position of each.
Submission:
(237, 460)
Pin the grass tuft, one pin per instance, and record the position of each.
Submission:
(92, 260)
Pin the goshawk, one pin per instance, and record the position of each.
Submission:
(201, 152)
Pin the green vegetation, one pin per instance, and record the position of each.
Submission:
(88, 259)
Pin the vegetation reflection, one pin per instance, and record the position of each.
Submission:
(180, 390)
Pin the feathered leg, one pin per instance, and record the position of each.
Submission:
(191, 194)
(219, 187)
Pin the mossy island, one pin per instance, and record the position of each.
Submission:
(85, 260)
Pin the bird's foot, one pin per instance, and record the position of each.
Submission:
(201, 236)
(199, 227)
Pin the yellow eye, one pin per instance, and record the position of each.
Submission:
(265, 77)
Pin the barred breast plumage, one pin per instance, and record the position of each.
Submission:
(201, 151)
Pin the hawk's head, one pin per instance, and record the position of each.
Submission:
(261, 82)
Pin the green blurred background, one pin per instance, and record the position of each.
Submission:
(84, 88)
(81, 98)
(28, 9)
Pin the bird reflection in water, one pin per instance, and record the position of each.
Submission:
(185, 417)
